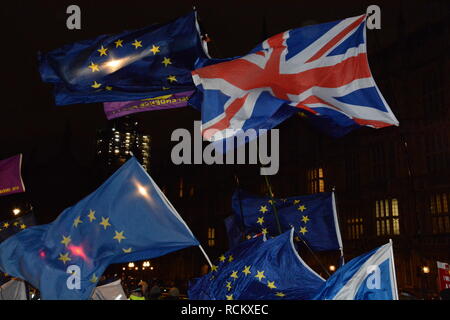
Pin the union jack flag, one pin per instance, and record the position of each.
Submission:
(321, 70)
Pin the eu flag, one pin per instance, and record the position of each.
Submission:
(370, 276)
(13, 226)
(313, 217)
(137, 64)
(127, 218)
(259, 270)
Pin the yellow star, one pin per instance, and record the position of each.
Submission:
(305, 219)
(271, 284)
(230, 297)
(102, 51)
(66, 240)
(303, 230)
(302, 114)
(16, 224)
(296, 201)
(260, 275)
(96, 85)
(118, 43)
(91, 215)
(172, 78)
(301, 208)
(119, 236)
(23, 226)
(234, 275)
(166, 61)
(264, 231)
(64, 257)
(247, 270)
(6, 225)
(105, 223)
(94, 279)
(260, 220)
(127, 250)
(280, 294)
(213, 268)
(137, 44)
(155, 50)
(263, 209)
(222, 258)
(228, 285)
(77, 221)
(108, 88)
(230, 258)
(93, 67)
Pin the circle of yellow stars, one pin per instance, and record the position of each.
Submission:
(138, 45)
(247, 271)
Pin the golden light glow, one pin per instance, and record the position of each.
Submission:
(131, 265)
(425, 269)
(115, 64)
(142, 190)
(16, 211)
(332, 268)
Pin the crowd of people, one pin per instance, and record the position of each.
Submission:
(141, 289)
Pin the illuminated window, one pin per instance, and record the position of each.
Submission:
(211, 237)
(316, 180)
(355, 228)
(440, 214)
(387, 217)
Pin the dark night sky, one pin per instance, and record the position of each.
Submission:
(32, 124)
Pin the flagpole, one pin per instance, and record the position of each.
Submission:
(314, 256)
(206, 256)
(279, 227)
(338, 232)
(273, 204)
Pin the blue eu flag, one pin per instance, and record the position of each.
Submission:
(259, 270)
(313, 217)
(145, 63)
(127, 218)
(13, 226)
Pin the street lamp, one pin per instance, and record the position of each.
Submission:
(332, 268)
(16, 211)
(131, 265)
(425, 269)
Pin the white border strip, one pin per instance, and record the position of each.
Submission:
(20, 172)
(172, 209)
(336, 223)
(204, 43)
(291, 238)
(393, 275)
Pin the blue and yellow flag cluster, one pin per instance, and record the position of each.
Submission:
(127, 218)
(13, 226)
(313, 218)
(137, 64)
(259, 270)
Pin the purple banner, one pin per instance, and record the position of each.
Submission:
(10, 176)
(122, 108)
